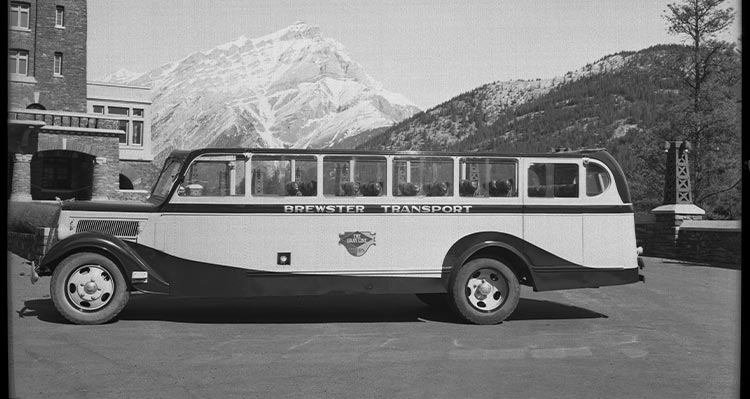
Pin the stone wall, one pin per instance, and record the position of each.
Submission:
(704, 241)
(710, 241)
(106, 174)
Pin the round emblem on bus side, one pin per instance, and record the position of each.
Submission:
(357, 242)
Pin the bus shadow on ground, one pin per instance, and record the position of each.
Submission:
(303, 310)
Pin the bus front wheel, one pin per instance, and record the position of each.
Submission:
(485, 291)
(88, 288)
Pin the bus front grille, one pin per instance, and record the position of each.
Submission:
(119, 228)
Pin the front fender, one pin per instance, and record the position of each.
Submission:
(118, 250)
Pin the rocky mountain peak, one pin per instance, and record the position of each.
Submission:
(290, 88)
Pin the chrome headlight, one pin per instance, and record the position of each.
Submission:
(65, 227)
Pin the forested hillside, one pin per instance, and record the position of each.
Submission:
(628, 103)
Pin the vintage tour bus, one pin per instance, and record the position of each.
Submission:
(463, 230)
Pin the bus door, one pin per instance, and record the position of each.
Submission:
(552, 219)
(609, 233)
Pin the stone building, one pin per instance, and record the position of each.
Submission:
(67, 137)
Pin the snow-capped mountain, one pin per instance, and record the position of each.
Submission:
(121, 76)
(292, 88)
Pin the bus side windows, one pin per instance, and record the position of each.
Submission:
(423, 176)
(214, 176)
(353, 176)
(553, 180)
(488, 177)
(272, 176)
(597, 179)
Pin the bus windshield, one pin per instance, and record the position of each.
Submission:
(167, 178)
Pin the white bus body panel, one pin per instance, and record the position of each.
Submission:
(253, 241)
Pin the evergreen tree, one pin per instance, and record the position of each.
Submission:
(709, 113)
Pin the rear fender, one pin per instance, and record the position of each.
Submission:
(126, 258)
(491, 243)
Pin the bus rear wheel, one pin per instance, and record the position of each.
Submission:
(485, 291)
(88, 288)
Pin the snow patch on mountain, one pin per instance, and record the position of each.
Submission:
(121, 76)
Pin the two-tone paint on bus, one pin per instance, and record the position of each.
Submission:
(464, 230)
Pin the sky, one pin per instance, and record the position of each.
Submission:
(427, 50)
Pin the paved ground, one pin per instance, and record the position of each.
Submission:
(676, 336)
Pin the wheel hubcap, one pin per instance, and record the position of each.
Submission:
(90, 287)
(486, 290)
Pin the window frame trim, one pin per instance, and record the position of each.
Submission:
(60, 14)
(19, 5)
(17, 59)
(55, 72)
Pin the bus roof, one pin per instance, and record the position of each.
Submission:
(564, 153)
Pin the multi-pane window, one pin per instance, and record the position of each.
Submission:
(354, 176)
(60, 17)
(58, 64)
(553, 180)
(18, 62)
(430, 176)
(129, 120)
(19, 15)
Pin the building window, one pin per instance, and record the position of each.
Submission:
(118, 111)
(58, 64)
(123, 125)
(19, 15)
(137, 137)
(129, 120)
(18, 62)
(59, 17)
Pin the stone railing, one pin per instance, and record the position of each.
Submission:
(704, 241)
(64, 119)
(710, 241)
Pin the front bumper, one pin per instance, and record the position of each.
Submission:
(34, 275)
